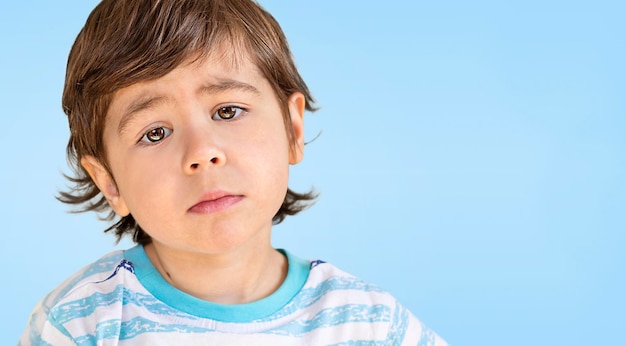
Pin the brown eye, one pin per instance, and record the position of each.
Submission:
(228, 112)
(156, 134)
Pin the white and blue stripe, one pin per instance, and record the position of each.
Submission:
(122, 300)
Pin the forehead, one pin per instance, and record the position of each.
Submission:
(214, 75)
(195, 71)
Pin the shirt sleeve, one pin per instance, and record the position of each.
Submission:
(406, 329)
(41, 331)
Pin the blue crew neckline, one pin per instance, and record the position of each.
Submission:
(151, 279)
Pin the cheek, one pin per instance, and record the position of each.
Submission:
(275, 166)
(143, 184)
(270, 154)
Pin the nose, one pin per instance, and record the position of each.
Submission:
(201, 151)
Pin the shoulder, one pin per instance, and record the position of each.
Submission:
(95, 274)
(96, 284)
(346, 295)
(327, 279)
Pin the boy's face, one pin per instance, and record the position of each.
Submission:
(200, 156)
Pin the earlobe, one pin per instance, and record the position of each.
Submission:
(297, 104)
(105, 183)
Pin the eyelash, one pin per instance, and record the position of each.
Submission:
(146, 140)
(238, 112)
(165, 132)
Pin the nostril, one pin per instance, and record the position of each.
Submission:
(214, 160)
(194, 165)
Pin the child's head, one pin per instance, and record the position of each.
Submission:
(129, 42)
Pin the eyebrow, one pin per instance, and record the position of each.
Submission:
(138, 105)
(146, 102)
(227, 85)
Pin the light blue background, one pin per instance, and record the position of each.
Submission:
(471, 160)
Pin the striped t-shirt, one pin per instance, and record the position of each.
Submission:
(121, 299)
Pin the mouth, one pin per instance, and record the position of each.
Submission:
(215, 203)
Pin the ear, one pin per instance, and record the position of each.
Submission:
(297, 103)
(105, 183)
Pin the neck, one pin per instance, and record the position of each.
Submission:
(240, 276)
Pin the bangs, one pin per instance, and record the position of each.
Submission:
(153, 38)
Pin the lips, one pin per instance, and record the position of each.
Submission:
(215, 203)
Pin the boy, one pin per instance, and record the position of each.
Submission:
(185, 116)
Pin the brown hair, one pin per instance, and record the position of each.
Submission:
(125, 42)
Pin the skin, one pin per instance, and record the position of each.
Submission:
(203, 186)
